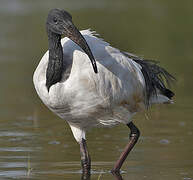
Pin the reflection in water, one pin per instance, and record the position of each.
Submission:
(117, 176)
(85, 176)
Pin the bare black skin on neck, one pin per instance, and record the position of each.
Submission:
(59, 22)
(55, 64)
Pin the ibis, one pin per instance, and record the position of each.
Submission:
(88, 83)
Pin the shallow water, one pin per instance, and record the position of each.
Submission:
(35, 144)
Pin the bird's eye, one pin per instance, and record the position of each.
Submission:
(55, 20)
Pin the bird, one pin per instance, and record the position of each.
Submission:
(90, 84)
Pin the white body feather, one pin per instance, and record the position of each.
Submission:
(86, 99)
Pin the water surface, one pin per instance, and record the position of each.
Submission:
(35, 144)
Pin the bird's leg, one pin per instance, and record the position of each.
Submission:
(117, 175)
(85, 158)
(134, 135)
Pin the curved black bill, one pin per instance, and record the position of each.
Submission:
(73, 33)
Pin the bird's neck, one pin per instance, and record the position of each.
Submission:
(55, 64)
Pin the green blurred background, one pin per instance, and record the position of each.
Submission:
(36, 144)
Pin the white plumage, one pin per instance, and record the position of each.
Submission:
(85, 99)
(120, 85)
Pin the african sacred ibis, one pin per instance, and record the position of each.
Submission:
(120, 85)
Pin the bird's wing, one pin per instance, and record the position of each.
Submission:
(119, 79)
(148, 73)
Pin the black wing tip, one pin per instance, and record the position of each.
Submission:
(168, 93)
(156, 77)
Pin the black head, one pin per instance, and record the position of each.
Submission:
(60, 22)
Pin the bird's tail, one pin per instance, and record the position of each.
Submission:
(157, 79)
